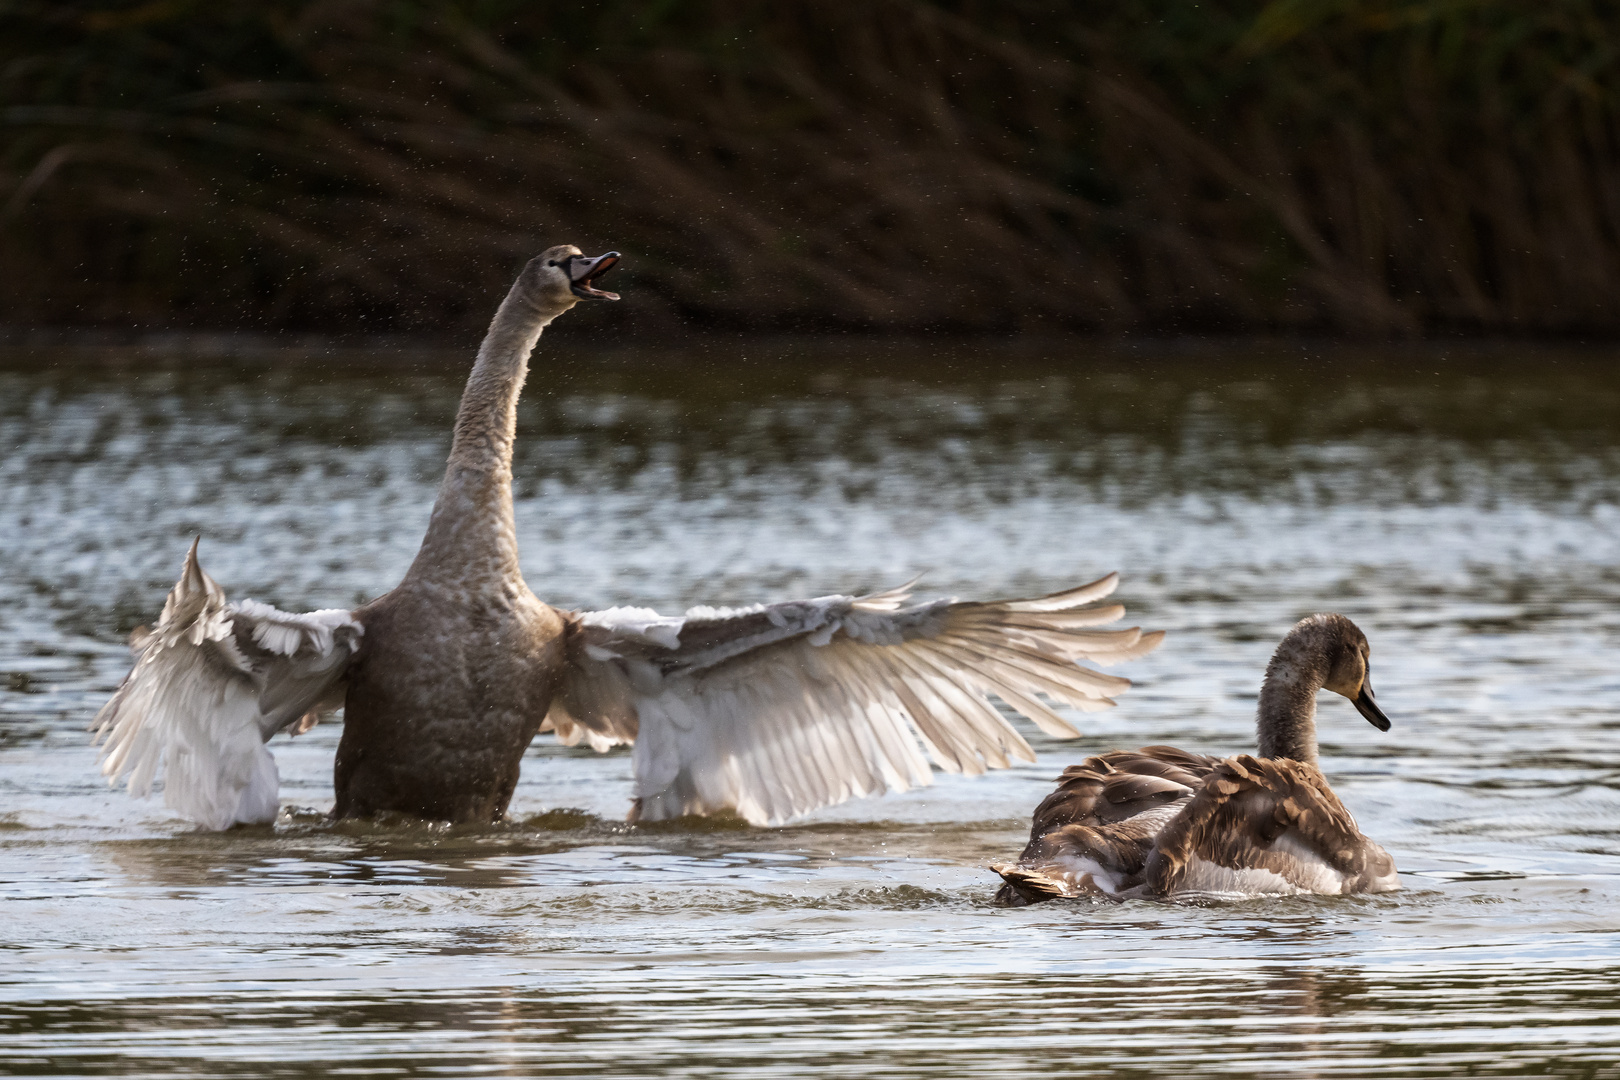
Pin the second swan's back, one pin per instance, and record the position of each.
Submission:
(1164, 822)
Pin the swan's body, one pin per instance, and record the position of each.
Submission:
(771, 711)
(1161, 822)
(460, 660)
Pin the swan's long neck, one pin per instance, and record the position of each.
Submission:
(1287, 714)
(471, 535)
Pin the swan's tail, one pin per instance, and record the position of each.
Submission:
(1022, 886)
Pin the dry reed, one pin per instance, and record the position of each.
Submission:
(1384, 168)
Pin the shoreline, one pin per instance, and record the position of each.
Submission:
(76, 345)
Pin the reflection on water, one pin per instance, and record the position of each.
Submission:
(1463, 511)
(1284, 1022)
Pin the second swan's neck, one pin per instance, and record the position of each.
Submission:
(1287, 714)
(471, 535)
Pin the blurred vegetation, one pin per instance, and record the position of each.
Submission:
(1369, 167)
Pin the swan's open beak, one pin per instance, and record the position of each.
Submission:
(583, 272)
(1366, 706)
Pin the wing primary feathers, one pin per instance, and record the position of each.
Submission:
(992, 724)
(1070, 598)
(1043, 717)
(888, 599)
(783, 708)
(995, 735)
(1001, 615)
(902, 736)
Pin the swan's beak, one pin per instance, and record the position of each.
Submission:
(583, 272)
(1366, 706)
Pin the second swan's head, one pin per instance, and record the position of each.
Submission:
(1338, 649)
(560, 277)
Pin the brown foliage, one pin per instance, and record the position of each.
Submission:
(1367, 168)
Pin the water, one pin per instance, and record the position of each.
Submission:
(1464, 511)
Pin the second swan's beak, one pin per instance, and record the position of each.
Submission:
(583, 272)
(1366, 706)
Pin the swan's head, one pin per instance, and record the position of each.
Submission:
(560, 277)
(1341, 652)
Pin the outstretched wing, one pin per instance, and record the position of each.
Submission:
(211, 683)
(777, 710)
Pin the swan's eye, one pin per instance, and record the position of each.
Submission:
(553, 262)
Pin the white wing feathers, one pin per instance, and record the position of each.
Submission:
(777, 710)
(211, 683)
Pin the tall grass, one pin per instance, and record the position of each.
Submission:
(1375, 168)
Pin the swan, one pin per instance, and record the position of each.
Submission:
(769, 711)
(1161, 822)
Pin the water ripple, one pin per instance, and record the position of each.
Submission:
(1468, 519)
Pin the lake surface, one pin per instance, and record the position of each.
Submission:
(1463, 509)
